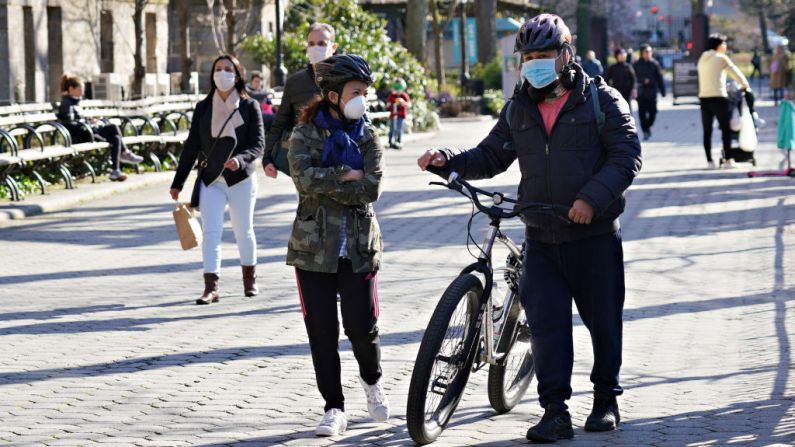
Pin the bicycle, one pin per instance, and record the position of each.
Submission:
(466, 326)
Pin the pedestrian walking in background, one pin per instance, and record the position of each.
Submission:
(553, 111)
(592, 65)
(650, 81)
(299, 90)
(83, 129)
(257, 91)
(397, 104)
(713, 65)
(779, 73)
(756, 62)
(336, 162)
(621, 76)
(227, 138)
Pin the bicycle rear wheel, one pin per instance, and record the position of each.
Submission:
(444, 360)
(510, 378)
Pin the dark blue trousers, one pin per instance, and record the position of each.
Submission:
(591, 271)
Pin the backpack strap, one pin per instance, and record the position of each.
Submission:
(597, 107)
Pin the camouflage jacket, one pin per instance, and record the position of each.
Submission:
(324, 201)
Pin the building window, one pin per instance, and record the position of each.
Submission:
(106, 42)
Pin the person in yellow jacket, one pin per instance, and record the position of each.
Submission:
(713, 66)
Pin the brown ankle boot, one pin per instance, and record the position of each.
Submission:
(250, 280)
(210, 294)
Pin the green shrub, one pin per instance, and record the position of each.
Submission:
(494, 101)
(358, 32)
(490, 74)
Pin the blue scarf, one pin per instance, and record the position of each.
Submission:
(340, 147)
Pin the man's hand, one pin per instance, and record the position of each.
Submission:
(174, 192)
(581, 212)
(352, 175)
(232, 164)
(432, 157)
(270, 170)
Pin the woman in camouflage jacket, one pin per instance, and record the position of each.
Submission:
(336, 163)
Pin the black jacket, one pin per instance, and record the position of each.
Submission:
(250, 144)
(575, 161)
(69, 115)
(299, 89)
(650, 79)
(621, 77)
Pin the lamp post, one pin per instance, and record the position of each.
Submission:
(280, 71)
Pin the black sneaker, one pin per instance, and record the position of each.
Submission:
(554, 425)
(604, 416)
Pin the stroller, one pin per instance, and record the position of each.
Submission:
(744, 126)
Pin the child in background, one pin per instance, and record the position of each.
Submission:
(397, 103)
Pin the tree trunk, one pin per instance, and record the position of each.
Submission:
(231, 26)
(437, 45)
(583, 27)
(183, 24)
(698, 7)
(486, 12)
(464, 45)
(763, 25)
(140, 68)
(416, 13)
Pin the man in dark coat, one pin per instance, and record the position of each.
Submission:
(576, 145)
(650, 81)
(299, 90)
(621, 76)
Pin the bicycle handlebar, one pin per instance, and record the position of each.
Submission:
(456, 183)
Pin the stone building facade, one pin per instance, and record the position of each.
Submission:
(42, 39)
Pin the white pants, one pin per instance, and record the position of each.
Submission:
(241, 199)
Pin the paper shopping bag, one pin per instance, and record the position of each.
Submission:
(188, 228)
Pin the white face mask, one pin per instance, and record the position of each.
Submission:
(317, 53)
(224, 80)
(355, 108)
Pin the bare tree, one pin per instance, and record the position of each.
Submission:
(438, 54)
(140, 69)
(226, 15)
(183, 26)
(486, 13)
(416, 13)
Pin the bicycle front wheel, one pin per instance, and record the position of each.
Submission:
(444, 360)
(510, 378)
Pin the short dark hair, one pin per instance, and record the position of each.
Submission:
(645, 47)
(715, 40)
(255, 74)
(619, 51)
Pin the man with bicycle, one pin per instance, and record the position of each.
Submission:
(577, 146)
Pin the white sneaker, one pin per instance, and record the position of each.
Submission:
(117, 176)
(728, 164)
(711, 165)
(334, 423)
(130, 158)
(377, 403)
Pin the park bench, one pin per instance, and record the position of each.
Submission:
(31, 137)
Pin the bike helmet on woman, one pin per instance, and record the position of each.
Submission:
(333, 73)
(542, 32)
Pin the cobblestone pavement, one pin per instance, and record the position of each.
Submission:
(100, 341)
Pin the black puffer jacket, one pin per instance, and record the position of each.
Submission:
(575, 162)
(650, 79)
(299, 89)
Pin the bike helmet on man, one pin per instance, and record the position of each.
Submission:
(333, 73)
(542, 32)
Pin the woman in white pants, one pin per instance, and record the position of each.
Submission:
(226, 137)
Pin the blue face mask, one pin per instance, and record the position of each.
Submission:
(540, 72)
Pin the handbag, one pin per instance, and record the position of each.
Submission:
(194, 196)
(188, 228)
(280, 161)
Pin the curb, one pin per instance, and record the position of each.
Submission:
(36, 204)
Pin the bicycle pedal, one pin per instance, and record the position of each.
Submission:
(439, 386)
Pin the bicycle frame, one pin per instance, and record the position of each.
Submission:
(485, 325)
